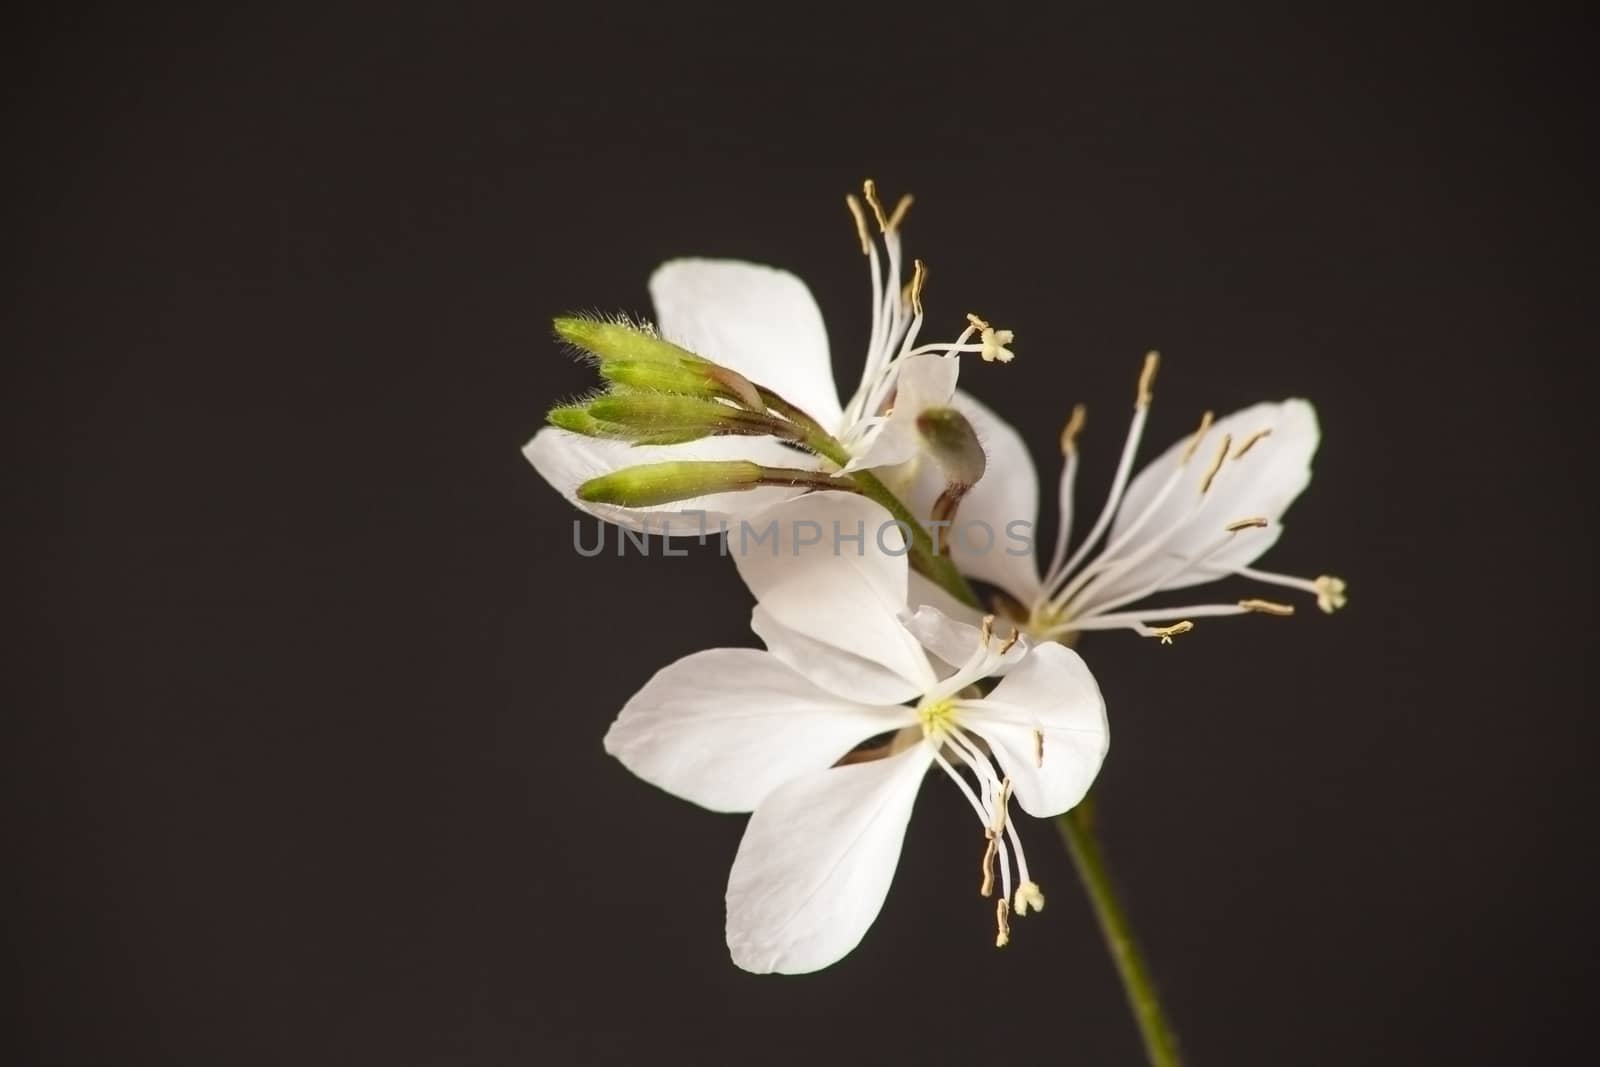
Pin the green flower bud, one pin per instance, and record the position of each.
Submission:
(635, 357)
(660, 377)
(575, 418)
(608, 341)
(664, 483)
(951, 441)
(670, 413)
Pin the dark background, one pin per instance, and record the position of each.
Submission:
(307, 710)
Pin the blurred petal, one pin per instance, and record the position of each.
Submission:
(985, 545)
(760, 321)
(1046, 725)
(954, 640)
(842, 593)
(925, 381)
(726, 727)
(921, 592)
(816, 861)
(851, 676)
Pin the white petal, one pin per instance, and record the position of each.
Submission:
(840, 592)
(726, 727)
(760, 321)
(834, 669)
(1051, 696)
(985, 544)
(816, 862)
(891, 443)
(567, 460)
(923, 382)
(921, 592)
(954, 640)
(1262, 483)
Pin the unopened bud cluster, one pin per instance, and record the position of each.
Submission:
(660, 393)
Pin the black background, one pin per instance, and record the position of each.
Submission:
(307, 714)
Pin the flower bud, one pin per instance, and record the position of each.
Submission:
(663, 483)
(949, 438)
(620, 341)
(706, 380)
(637, 415)
(636, 358)
(951, 441)
(575, 418)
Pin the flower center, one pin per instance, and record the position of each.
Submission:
(937, 716)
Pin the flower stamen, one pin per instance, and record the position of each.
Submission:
(919, 279)
(1250, 442)
(1167, 633)
(1194, 442)
(1216, 464)
(869, 189)
(901, 209)
(1147, 378)
(1074, 427)
(861, 223)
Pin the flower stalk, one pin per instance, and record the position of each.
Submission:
(1077, 832)
(925, 556)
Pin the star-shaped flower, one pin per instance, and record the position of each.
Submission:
(826, 736)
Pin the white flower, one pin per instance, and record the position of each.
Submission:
(763, 323)
(1205, 509)
(777, 732)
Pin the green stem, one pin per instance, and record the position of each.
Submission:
(924, 557)
(1160, 1043)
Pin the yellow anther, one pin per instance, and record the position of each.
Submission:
(989, 852)
(1330, 593)
(1250, 442)
(1010, 641)
(986, 631)
(1167, 633)
(861, 223)
(1216, 464)
(1029, 898)
(900, 210)
(1147, 378)
(977, 323)
(919, 278)
(1267, 607)
(1074, 427)
(1246, 524)
(1002, 923)
(1038, 748)
(1199, 435)
(869, 189)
